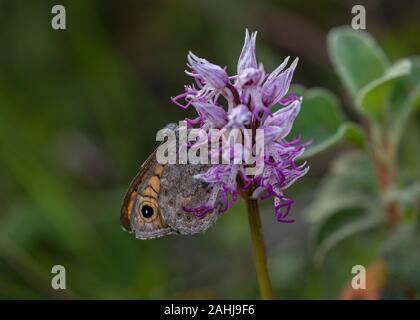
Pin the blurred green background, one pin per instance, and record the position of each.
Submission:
(78, 114)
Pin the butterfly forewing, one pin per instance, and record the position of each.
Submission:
(131, 194)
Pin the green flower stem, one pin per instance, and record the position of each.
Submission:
(260, 257)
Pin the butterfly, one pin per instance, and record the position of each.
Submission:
(154, 203)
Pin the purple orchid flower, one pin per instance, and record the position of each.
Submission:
(249, 97)
(247, 58)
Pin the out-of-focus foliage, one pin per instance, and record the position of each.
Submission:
(364, 191)
(347, 202)
(79, 110)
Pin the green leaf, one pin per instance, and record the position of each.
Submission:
(408, 195)
(405, 100)
(349, 132)
(347, 202)
(350, 181)
(373, 98)
(356, 57)
(414, 99)
(415, 70)
(339, 227)
(320, 115)
(321, 120)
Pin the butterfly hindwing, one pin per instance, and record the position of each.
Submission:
(179, 190)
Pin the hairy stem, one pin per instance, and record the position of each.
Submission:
(383, 157)
(259, 249)
(386, 171)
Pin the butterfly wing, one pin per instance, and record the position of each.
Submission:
(154, 203)
(130, 196)
(140, 212)
(179, 190)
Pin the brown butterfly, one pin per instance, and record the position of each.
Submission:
(153, 205)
